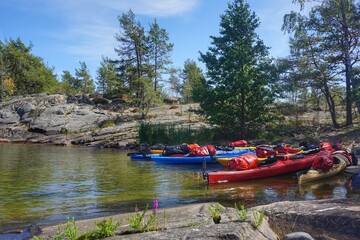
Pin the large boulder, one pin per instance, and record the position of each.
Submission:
(323, 219)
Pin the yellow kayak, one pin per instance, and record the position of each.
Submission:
(245, 148)
(313, 175)
(156, 151)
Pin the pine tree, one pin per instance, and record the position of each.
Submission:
(193, 80)
(326, 43)
(83, 75)
(108, 82)
(241, 80)
(132, 52)
(159, 52)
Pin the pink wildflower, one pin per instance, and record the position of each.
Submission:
(155, 206)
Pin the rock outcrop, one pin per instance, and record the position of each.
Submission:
(323, 219)
(80, 120)
(317, 219)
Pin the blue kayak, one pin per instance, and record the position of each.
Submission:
(162, 159)
(222, 153)
(139, 156)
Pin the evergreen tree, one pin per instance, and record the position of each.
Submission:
(108, 82)
(193, 80)
(326, 42)
(174, 81)
(241, 80)
(159, 50)
(28, 72)
(83, 76)
(132, 51)
(70, 84)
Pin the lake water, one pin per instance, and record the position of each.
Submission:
(46, 184)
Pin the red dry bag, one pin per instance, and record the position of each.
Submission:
(239, 143)
(244, 162)
(324, 161)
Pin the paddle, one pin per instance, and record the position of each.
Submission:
(204, 174)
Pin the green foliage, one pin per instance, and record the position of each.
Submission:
(159, 52)
(150, 97)
(258, 218)
(138, 224)
(106, 228)
(106, 124)
(132, 53)
(172, 134)
(8, 88)
(107, 80)
(242, 79)
(70, 84)
(241, 213)
(325, 48)
(70, 231)
(84, 80)
(215, 211)
(193, 81)
(27, 71)
(174, 81)
(136, 220)
(143, 57)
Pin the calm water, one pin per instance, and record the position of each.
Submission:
(47, 184)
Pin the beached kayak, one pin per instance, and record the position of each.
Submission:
(186, 159)
(340, 163)
(224, 160)
(265, 169)
(223, 153)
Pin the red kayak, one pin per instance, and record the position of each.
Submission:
(280, 166)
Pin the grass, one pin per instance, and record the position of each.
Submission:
(171, 134)
(258, 218)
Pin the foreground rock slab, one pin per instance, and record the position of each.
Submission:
(322, 219)
(317, 219)
(185, 222)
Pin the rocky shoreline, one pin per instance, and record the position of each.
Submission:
(80, 120)
(68, 120)
(316, 219)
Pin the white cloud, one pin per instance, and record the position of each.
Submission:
(157, 8)
(92, 24)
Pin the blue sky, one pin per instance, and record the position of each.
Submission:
(65, 32)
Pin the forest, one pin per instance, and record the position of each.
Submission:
(242, 86)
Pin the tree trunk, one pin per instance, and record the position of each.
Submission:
(331, 104)
(348, 67)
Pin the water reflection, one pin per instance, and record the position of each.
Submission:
(47, 184)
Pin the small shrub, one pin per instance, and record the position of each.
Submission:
(70, 231)
(106, 124)
(106, 228)
(137, 220)
(241, 213)
(215, 212)
(258, 218)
